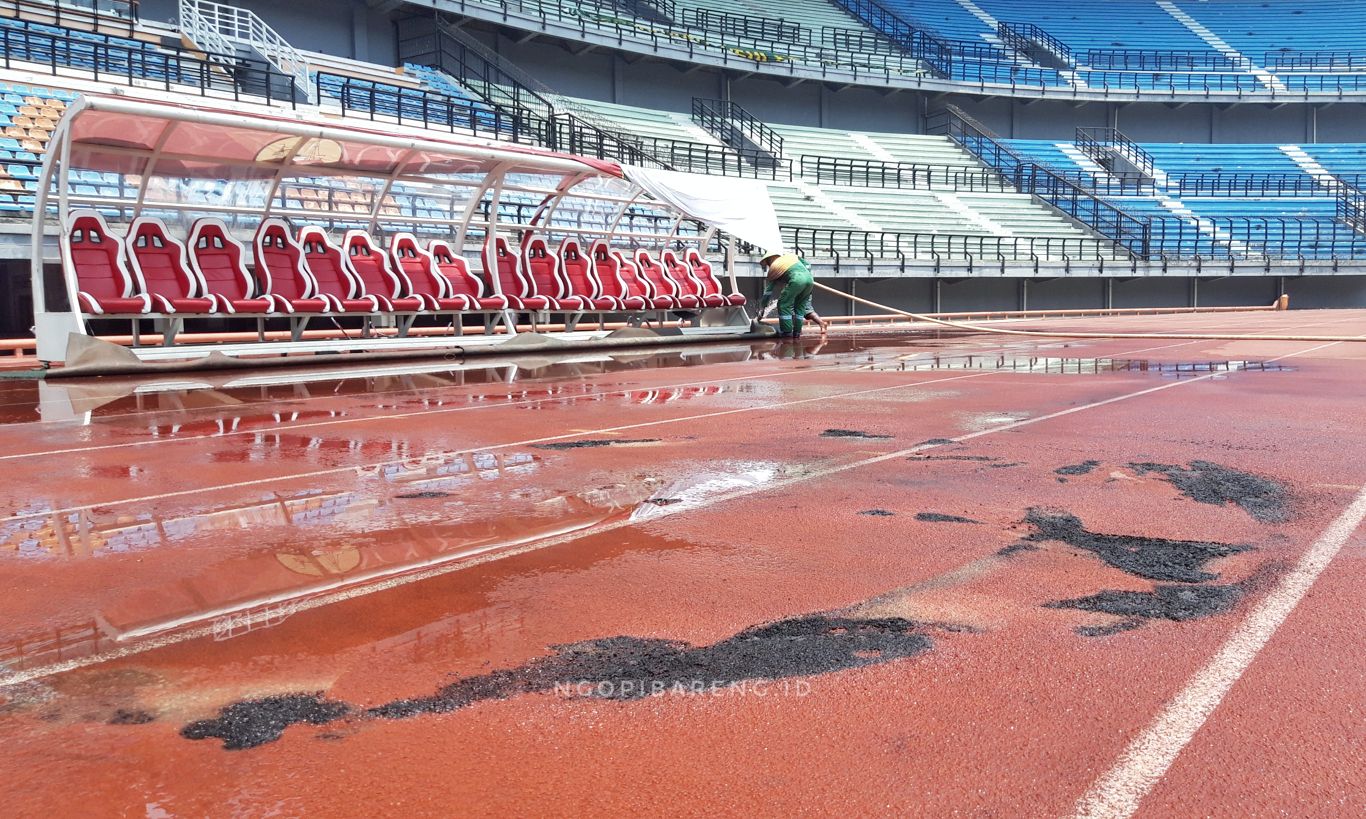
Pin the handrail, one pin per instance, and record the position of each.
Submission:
(1098, 143)
(121, 15)
(821, 241)
(871, 173)
(221, 25)
(1126, 231)
(736, 127)
(1125, 59)
(429, 109)
(920, 44)
(746, 26)
(185, 70)
(1035, 43)
(1337, 60)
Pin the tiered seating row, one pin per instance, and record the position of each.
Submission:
(148, 272)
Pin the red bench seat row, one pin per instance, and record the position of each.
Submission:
(149, 271)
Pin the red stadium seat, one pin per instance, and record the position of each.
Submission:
(327, 266)
(220, 262)
(582, 288)
(461, 284)
(160, 263)
(659, 282)
(280, 270)
(542, 268)
(504, 269)
(611, 282)
(103, 283)
(418, 266)
(711, 286)
(637, 285)
(684, 281)
(368, 265)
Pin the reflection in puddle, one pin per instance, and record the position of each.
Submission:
(314, 547)
(692, 491)
(1048, 365)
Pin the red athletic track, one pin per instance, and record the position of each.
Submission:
(133, 548)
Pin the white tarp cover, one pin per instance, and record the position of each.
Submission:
(740, 207)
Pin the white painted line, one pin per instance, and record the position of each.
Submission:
(360, 419)
(342, 470)
(408, 574)
(1118, 793)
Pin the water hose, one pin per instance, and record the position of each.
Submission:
(978, 328)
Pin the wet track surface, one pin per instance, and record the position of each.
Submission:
(889, 574)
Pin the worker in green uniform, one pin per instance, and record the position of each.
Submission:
(788, 276)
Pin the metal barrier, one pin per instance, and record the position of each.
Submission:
(431, 110)
(1125, 59)
(869, 173)
(118, 16)
(735, 126)
(839, 242)
(1101, 143)
(1351, 207)
(144, 64)
(1124, 230)
(746, 26)
(1035, 43)
(1315, 60)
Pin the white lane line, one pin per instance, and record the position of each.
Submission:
(394, 416)
(444, 564)
(341, 470)
(1118, 793)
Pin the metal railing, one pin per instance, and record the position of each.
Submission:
(146, 66)
(1351, 207)
(1251, 184)
(1102, 144)
(219, 26)
(1269, 237)
(1048, 185)
(746, 26)
(841, 242)
(1315, 60)
(1035, 43)
(1126, 59)
(932, 51)
(429, 109)
(736, 127)
(871, 173)
(116, 16)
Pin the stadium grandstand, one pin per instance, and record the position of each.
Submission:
(937, 154)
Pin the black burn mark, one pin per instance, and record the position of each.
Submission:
(878, 513)
(1164, 602)
(426, 494)
(1182, 561)
(852, 433)
(1205, 482)
(1083, 468)
(591, 443)
(126, 716)
(620, 668)
(249, 723)
(937, 517)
